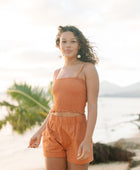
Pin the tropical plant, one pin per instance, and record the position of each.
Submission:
(29, 106)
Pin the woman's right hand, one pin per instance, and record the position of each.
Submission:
(35, 140)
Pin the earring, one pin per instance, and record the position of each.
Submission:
(78, 56)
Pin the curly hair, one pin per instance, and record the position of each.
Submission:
(86, 51)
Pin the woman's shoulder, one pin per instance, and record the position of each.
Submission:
(56, 71)
(90, 68)
(88, 65)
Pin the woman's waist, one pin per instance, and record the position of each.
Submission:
(67, 114)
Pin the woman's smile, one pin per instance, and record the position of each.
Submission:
(68, 51)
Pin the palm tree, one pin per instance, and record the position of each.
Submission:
(29, 106)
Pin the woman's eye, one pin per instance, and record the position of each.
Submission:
(66, 41)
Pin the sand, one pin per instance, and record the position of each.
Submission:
(15, 155)
(110, 166)
(132, 144)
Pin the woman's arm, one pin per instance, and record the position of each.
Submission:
(35, 140)
(92, 85)
(42, 128)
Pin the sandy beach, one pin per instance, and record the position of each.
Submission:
(15, 155)
(132, 144)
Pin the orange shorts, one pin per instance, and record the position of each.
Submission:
(62, 138)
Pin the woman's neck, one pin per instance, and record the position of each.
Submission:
(71, 62)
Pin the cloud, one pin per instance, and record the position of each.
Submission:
(118, 66)
(126, 9)
(91, 12)
(35, 57)
(28, 29)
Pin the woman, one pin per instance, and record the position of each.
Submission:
(67, 135)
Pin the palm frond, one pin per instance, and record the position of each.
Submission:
(31, 109)
(28, 96)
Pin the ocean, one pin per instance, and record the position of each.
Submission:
(114, 118)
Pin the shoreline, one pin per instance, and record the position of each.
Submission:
(131, 144)
(14, 153)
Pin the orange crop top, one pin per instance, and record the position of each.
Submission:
(69, 94)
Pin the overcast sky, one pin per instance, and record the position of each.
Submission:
(28, 29)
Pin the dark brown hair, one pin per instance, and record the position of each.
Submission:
(86, 51)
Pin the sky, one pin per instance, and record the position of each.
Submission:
(29, 27)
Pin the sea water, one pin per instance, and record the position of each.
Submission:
(115, 118)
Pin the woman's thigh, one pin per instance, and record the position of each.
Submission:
(72, 166)
(56, 163)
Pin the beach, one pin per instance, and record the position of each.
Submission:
(31, 52)
(15, 155)
(110, 127)
(132, 144)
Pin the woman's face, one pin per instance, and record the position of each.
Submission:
(69, 45)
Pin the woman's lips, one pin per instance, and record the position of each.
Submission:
(68, 51)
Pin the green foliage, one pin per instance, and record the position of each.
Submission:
(31, 109)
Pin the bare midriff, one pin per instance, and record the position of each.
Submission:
(66, 114)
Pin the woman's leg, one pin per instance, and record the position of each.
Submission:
(72, 166)
(55, 163)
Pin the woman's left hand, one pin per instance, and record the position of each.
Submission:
(84, 150)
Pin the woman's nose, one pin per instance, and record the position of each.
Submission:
(68, 44)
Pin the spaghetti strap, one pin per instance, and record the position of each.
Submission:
(80, 69)
(57, 72)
